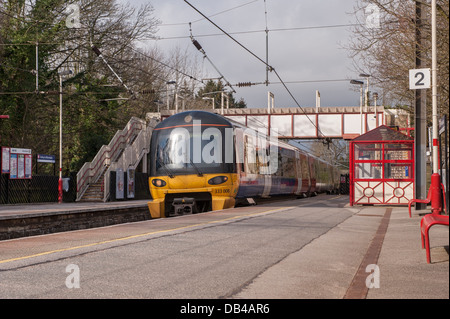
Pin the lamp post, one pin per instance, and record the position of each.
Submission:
(212, 99)
(366, 95)
(178, 96)
(223, 96)
(60, 183)
(360, 83)
(375, 102)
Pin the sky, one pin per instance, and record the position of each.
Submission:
(315, 51)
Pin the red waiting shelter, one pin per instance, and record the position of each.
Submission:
(382, 168)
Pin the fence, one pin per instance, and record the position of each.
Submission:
(39, 189)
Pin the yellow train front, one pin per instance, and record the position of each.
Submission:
(192, 165)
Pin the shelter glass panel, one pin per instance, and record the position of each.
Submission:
(368, 151)
(398, 152)
(397, 171)
(368, 171)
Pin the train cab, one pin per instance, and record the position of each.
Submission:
(192, 165)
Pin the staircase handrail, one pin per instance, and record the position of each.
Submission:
(132, 154)
(91, 171)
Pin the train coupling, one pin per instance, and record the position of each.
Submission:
(184, 206)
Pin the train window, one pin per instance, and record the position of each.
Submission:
(288, 166)
(312, 169)
(304, 166)
(182, 151)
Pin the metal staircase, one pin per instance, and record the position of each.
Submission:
(126, 150)
(95, 191)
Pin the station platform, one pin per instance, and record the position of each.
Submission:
(325, 268)
(38, 219)
(394, 268)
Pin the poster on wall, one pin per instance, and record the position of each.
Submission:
(20, 163)
(130, 182)
(119, 184)
(13, 166)
(5, 160)
(20, 166)
(28, 166)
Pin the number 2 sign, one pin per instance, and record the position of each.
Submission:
(419, 79)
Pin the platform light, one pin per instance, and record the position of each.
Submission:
(60, 182)
(360, 83)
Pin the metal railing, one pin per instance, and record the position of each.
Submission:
(91, 171)
(131, 155)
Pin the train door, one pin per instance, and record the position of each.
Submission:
(239, 151)
(313, 174)
(264, 162)
(250, 182)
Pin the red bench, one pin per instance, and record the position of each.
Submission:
(427, 200)
(425, 225)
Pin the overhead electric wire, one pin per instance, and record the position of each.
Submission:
(199, 47)
(212, 15)
(252, 32)
(223, 31)
(262, 61)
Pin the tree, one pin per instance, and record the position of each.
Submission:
(95, 102)
(213, 90)
(387, 50)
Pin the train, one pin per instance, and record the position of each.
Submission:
(200, 161)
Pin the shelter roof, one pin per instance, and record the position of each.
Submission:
(383, 133)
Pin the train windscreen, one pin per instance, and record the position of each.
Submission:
(187, 150)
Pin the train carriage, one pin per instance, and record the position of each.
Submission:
(201, 161)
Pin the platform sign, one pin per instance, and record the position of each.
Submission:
(20, 150)
(20, 163)
(419, 79)
(42, 158)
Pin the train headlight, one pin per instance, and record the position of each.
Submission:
(158, 182)
(217, 180)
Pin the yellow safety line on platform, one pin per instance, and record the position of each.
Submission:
(140, 235)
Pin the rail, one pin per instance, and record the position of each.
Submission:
(91, 171)
(131, 155)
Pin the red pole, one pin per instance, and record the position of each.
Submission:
(60, 189)
(436, 200)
